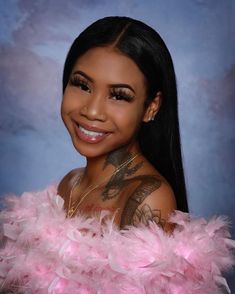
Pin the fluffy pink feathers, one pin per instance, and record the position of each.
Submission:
(46, 253)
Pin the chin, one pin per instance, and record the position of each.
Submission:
(96, 150)
(89, 151)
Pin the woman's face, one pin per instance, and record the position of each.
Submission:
(103, 103)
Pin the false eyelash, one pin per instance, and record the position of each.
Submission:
(122, 95)
(77, 82)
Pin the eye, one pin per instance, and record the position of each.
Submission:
(80, 83)
(119, 94)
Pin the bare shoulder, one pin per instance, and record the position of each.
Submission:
(66, 182)
(157, 207)
(152, 200)
(163, 197)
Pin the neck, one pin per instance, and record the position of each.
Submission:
(100, 167)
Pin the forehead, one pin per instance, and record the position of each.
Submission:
(109, 65)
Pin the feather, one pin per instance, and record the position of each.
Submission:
(45, 252)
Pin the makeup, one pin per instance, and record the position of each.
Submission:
(89, 136)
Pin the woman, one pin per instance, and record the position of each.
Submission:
(120, 100)
(120, 108)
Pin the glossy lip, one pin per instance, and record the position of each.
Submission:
(91, 128)
(86, 138)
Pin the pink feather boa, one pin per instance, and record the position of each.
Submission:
(46, 253)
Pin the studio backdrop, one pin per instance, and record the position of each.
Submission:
(35, 36)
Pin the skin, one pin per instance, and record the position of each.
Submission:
(106, 92)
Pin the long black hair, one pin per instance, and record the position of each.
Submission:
(159, 139)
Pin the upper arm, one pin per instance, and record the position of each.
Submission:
(156, 207)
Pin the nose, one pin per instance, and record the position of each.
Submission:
(94, 108)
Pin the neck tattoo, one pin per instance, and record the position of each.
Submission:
(73, 206)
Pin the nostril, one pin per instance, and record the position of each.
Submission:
(94, 112)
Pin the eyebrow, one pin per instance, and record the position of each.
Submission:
(121, 85)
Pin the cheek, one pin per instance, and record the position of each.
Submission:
(69, 104)
(63, 105)
(128, 120)
(64, 111)
(66, 108)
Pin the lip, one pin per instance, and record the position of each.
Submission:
(87, 138)
(91, 128)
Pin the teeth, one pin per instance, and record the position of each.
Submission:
(90, 133)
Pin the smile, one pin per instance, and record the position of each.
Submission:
(89, 136)
(90, 133)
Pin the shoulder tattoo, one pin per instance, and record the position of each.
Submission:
(145, 214)
(133, 214)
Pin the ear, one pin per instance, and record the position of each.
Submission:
(153, 108)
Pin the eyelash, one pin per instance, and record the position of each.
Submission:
(121, 95)
(77, 82)
(118, 93)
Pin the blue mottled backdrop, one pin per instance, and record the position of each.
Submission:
(34, 39)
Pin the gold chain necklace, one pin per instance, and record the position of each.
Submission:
(74, 207)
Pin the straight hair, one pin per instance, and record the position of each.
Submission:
(159, 139)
